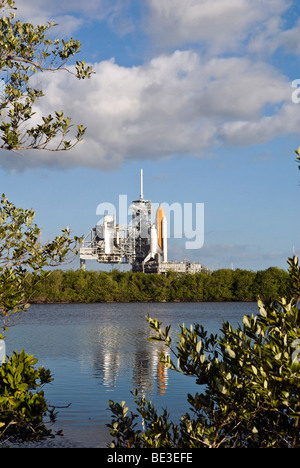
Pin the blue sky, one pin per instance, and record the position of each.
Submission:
(198, 93)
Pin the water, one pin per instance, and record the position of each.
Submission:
(101, 352)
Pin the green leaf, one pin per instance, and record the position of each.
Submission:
(199, 346)
(230, 352)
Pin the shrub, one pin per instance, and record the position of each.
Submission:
(250, 379)
(22, 402)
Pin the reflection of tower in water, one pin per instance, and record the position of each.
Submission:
(142, 371)
(106, 366)
(162, 378)
(148, 371)
(119, 354)
(161, 372)
(111, 364)
(107, 357)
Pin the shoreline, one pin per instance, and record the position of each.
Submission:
(120, 287)
(176, 301)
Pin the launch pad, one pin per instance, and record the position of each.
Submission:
(141, 244)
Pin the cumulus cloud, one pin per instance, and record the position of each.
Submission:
(180, 102)
(71, 15)
(173, 104)
(287, 39)
(264, 129)
(221, 25)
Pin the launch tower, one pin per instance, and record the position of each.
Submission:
(141, 229)
(140, 244)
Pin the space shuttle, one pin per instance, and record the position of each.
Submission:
(158, 237)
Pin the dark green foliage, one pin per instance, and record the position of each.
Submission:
(22, 401)
(21, 252)
(249, 383)
(298, 156)
(25, 51)
(116, 286)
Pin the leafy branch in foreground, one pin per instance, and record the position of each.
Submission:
(22, 402)
(298, 156)
(250, 377)
(25, 51)
(22, 254)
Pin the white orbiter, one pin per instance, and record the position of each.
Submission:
(158, 237)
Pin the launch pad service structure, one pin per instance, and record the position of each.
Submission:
(141, 244)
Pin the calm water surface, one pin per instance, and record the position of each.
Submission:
(98, 352)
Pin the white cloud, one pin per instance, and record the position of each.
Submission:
(181, 102)
(288, 40)
(264, 129)
(173, 104)
(220, 25)
(71, 15)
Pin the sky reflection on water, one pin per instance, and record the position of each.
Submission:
(98, 352)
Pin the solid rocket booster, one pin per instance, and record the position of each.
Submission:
(162, 234)
(159, 217)
(158, 237)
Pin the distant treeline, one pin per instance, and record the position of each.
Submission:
(116, 286)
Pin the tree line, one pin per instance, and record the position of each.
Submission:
(115, 286)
